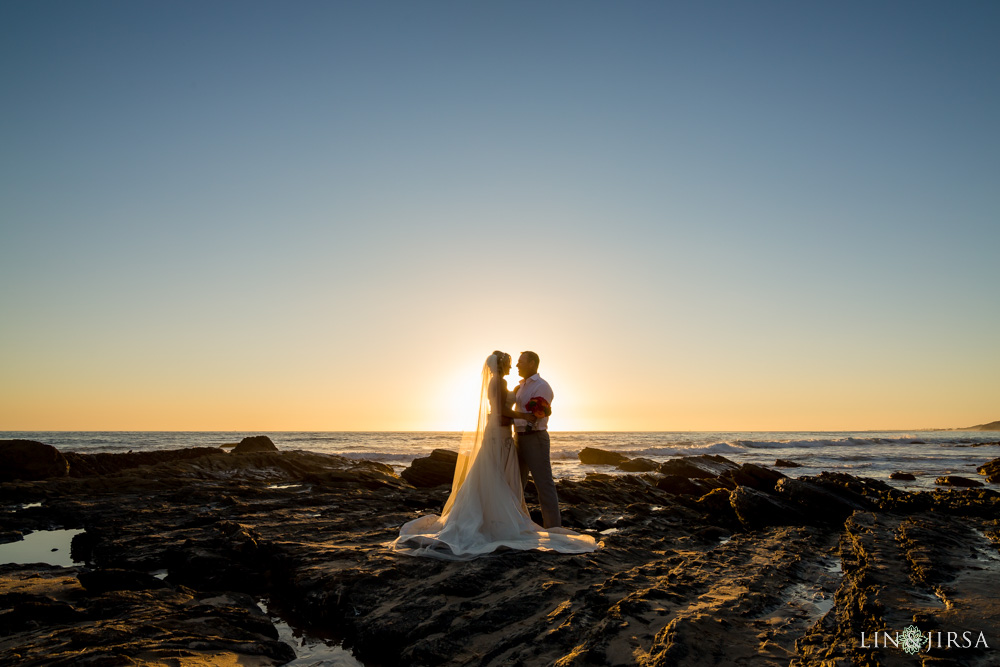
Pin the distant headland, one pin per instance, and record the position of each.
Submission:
(992, 426)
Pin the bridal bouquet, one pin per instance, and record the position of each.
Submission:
(539, 407)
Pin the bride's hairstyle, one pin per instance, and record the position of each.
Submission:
(502, 358)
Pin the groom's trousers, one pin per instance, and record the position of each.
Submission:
(533, 455)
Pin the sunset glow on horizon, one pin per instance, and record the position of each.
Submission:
(324, 216)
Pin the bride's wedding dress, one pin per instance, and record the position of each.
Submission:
(486, 511)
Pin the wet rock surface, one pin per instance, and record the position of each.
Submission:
(48, 618)
(713, 564)
(991, 469)
(704, 466)
(956, 480)
(638, 465)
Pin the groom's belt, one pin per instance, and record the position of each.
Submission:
(534, 430)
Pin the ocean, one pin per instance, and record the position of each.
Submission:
(876, 454)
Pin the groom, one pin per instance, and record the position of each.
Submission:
(533, 439)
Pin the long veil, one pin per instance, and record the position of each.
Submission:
(472, 440)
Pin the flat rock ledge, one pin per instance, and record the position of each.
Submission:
(713, 563)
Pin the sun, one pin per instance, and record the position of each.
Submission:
(454, 401)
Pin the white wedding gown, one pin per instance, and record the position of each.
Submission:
(485, 511)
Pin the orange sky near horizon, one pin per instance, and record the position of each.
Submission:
(603, 390)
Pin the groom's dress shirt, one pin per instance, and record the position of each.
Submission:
(529, 388)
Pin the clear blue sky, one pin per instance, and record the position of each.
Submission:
(705, 215)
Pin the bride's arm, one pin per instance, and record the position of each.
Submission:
(527, 416)
(511, 412)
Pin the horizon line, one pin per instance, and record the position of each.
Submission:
(845, 430)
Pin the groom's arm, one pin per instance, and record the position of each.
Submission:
(545, 391)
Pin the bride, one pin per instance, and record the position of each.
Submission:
(486, 509)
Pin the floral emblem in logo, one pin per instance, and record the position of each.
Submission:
(911, 640)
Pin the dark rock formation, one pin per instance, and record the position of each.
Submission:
(638, 465)
(53, 621)
(956, 480)
(174, 469)
(717, 507)
(754, 476)
(97, 582)
(756, 509)
(991, 469)
(782, 463)
(7, 536)
(93, 465)
(905, 476)
(433, 470)
(30, 460)
(972, 502)
(593, 456)
(704, 466)
(858, 489)
(821, 504)
(701, 575)
(892, 565)
(679, 485)
(254, 443)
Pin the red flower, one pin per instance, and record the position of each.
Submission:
(539, 407)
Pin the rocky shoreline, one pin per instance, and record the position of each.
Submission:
(704, 562)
